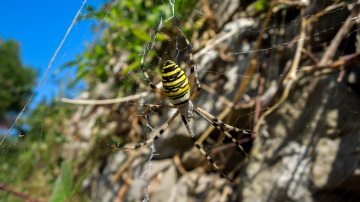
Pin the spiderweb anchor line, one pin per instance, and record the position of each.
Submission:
(46, 71)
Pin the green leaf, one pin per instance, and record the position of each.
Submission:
(261, 5)
(141, 34)
(63, 184)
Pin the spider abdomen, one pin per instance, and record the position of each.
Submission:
(175, 83)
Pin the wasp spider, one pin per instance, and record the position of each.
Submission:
(177, 90)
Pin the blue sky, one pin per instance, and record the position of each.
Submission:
(39, 26)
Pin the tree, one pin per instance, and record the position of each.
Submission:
(16, 81)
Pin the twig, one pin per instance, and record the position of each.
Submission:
(207, 10)
(249, 72)
(326, 10)
(253, 64)
(226, 192)
(105, 102)
(155, 182)
(26, 197)
(215, 42)
(178, 165)
(329, 53)
(342, 61)
(258, 100)
(291, 77)
(124, 166)
(121, 192)
(293, 3)
(310, 56)
(221, 98)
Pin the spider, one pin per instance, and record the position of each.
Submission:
(177, 90)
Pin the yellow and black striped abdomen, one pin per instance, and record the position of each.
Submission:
(175, 83)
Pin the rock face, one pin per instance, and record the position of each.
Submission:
(312, 152)
(307, 149)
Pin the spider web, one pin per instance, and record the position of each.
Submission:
(291, 75)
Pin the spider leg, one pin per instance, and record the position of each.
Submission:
(222, 124)
(147, 78)
(221, 127)
(149, 141)
(193, 72)
(197, 145)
